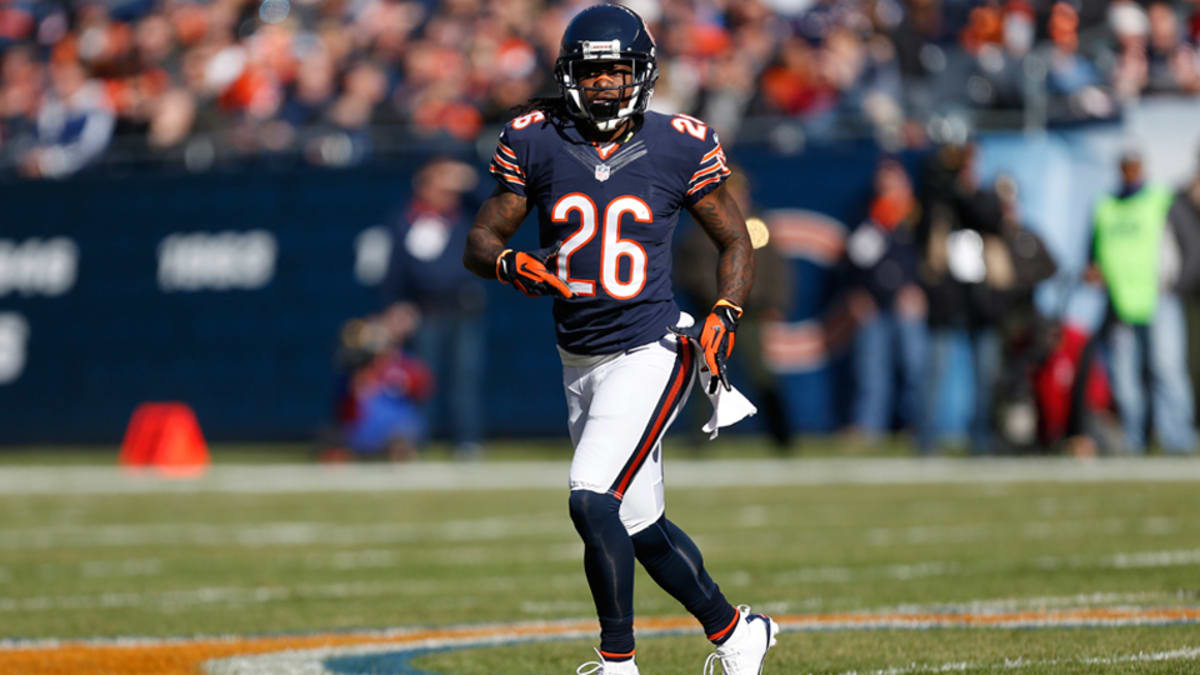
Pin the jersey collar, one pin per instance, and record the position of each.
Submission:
(607, 150)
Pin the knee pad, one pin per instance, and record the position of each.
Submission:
(591, 511)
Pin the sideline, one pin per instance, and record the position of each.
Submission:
(683, 473)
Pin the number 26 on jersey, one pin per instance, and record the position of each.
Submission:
(612, 247)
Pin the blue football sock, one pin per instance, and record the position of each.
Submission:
(675, 563)
(608, 561)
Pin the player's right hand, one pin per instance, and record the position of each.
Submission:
(527, 273)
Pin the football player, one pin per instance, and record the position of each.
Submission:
(608, 180)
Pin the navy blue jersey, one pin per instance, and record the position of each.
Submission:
(614, 208)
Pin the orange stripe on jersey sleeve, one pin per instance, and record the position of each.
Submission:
(705, 182)
(702, 172)
(507, 177)
(507, 165)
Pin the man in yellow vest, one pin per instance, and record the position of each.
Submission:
(1137, 259)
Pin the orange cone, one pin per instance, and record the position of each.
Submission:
(166, 436)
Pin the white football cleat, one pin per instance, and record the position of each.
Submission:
(744, 652)
(603, 667)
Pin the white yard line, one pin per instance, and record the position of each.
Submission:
(1059, 528)
(1084, 600)
(944, 568)
(234, 596)
(443, 476)
(1122, 561)
(279, 533)
(129, 567)
(499, 528)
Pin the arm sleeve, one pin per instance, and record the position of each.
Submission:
(709, 172)
(506, 165)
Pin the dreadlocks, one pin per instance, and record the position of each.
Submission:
(553, 106)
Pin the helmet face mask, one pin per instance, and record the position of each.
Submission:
(601, 39)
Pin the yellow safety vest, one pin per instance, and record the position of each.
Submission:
(1128, 237)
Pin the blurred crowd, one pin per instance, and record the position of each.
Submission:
(938, 278)
(946, 260)
(333, 79)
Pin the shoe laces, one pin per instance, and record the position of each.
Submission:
(726, 651)
(728, 661)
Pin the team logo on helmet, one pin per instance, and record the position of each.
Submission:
(592, 49)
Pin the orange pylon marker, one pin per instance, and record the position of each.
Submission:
(165, 436)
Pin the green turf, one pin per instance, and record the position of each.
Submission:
(972, 651)
(176, 564)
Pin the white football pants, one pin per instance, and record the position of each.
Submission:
(618, 407)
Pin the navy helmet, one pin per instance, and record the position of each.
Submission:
(606, 33)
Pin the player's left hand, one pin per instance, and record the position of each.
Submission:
(527, 272)
(716, 337)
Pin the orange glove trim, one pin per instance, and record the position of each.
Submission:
(499, 260)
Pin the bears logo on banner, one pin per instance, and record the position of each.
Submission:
(805, 345)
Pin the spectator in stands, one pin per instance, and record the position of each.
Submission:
(426, 276)
(1070, 74)
(1000, 45)
(326, 79)
(1129, 27)
(20, 94)
(1171, 65)
(1137, 259)
(1184, 221)
(889, 307)
(795, 84)
(74, 124)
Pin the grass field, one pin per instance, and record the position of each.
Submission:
(870, 575)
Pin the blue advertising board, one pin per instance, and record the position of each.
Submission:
(227, 291)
